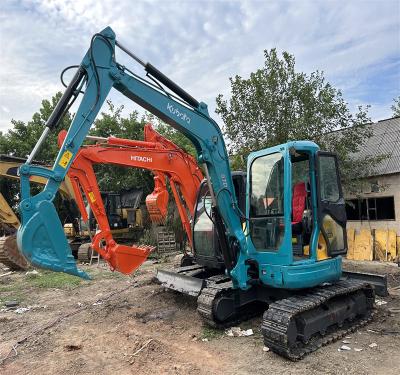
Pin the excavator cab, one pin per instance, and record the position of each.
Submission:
(296, 211)
(295, 215)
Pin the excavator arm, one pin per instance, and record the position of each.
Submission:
(160, 156)
(40, 236)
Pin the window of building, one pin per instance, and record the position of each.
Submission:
(381, 208)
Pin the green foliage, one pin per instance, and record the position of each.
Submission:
(113, 178)
(210, 333)
(174, 223)
(49, 279)
(20, 289)
(277, 104)
(149, 236)
(396, 107)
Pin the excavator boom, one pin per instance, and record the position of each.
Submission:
(159, 155)
(41, 237)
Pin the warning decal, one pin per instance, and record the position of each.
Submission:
(67, 156)
(91, 196)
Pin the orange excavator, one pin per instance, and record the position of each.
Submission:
(155, 153)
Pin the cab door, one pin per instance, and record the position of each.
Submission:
(331, 205)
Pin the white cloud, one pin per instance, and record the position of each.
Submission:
(199, 45)
(5, 109)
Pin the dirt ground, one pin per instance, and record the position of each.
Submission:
(130, 325)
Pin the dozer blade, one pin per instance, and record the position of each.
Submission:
(157, 206)
(126, 259)
(42, 241)
(182, 280)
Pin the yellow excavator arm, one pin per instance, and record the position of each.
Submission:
(9, 168)
(7, 215)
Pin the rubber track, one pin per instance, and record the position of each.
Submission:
(216, 287)
(279, 314)
(9, 254)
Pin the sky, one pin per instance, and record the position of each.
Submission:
(200, 44)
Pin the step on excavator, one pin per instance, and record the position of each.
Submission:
(271, 259)
(155, 153)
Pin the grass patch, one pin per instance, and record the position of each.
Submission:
(21, 289)
(13, 296)
(10, 288)
(211, 333)
(14, 291)
(48, 279)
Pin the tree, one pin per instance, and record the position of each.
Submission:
(276, 104)
(396, 107)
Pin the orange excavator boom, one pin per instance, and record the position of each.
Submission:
(155, 153)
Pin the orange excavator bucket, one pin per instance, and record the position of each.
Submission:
(121, 258)
(157, 201)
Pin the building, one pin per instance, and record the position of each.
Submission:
(374, 215)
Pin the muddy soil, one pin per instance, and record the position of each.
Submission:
(130, 325)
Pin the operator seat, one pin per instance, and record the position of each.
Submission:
(298, 206)
(299, 199)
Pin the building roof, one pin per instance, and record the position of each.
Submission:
(385, 140)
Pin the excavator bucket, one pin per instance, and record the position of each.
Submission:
(42, 240)
(157, 201)
(157, 206)
(126, 259)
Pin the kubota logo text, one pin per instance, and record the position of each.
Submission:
(144, 159)
(175, 111)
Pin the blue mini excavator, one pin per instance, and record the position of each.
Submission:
(270, 240)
